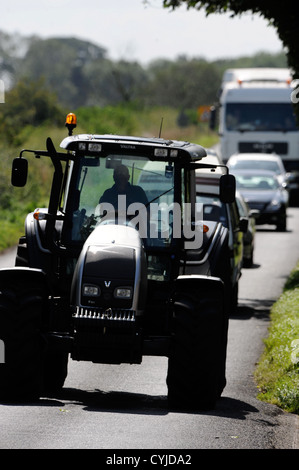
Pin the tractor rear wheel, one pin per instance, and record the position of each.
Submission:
(196, 367)
(23, 294)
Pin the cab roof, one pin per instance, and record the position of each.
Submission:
(173, 148)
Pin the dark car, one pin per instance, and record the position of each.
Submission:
(267, 162)
(259, 161)
(262, 191)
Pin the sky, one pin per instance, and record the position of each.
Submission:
(129, 30)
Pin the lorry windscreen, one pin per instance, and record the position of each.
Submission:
(263, 117)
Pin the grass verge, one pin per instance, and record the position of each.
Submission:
(277, 374)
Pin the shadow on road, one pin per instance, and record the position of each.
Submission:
(248, 308)
(134, 403)
(137, 403)
(117, 402)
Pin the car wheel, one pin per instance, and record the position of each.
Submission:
(282, 226)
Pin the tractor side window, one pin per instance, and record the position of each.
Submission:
(157, 180)
(92, 179)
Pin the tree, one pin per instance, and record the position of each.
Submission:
(182, 83)
(10, 46)
(113, 83)
(62, 63)
(283, 17)
(28, 104)
(79, 72)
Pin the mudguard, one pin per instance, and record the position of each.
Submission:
(18, 274)
(200, 288)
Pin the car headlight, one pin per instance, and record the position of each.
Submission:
(90, 290)
(275, 204)
(123, 292)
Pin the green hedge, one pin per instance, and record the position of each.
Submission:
(277, 374)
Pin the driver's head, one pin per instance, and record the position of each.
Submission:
(121, 175)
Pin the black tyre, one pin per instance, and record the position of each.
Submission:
(54, 363)
(54, 371)
(282, 225)
(196, 368)
(248, 262)
(234, 298)
(23, 294)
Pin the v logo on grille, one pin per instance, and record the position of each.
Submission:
(107, 283)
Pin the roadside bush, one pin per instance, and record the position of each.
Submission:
(107, 120)
(277, 374)
(27, 105)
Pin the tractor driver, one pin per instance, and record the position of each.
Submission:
(122, 186)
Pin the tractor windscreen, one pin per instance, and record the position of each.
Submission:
(125, 189)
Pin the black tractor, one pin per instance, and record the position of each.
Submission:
(119, 266)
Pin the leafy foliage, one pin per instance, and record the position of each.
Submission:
(108, 120)
(80, 74)
(277, 372)
(29, 103)
(61, 62)
(183, 83)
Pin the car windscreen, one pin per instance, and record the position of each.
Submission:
(256, 182)
(247, 164)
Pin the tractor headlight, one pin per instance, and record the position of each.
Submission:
(123, 293)
(91, 290)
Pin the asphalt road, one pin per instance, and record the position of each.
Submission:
(125, 407)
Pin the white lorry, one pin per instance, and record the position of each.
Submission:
(256, 114)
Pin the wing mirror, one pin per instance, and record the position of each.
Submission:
(227, 186)
(19, 172)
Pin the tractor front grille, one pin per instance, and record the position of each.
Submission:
(107, 336)
(112, 317)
